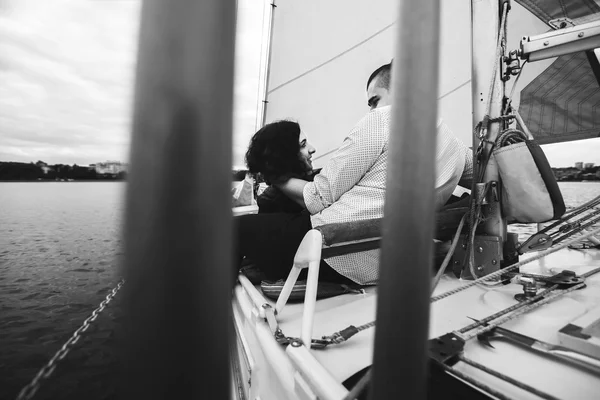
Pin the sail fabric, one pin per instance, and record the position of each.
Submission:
(578, 11)
(560, 102)
(322, 53)
(563, 102)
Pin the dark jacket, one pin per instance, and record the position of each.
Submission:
(272, 200)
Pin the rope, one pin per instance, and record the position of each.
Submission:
(481, 132)
(486, 118)
(510, 136)
(505, 311)
(523, 310)
(507, 378)
(446, 261)
(475, 382)
(347, 333)
(512, 92)
(580, 228)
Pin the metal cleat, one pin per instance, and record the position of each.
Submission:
(564, 279)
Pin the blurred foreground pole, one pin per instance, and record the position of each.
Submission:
(178, 213)
(400, 354)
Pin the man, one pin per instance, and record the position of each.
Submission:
(351, 186)
(454, 160)
(378, 87)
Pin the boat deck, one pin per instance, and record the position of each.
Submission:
(556, 379)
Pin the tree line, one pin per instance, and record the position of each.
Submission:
(40, 171)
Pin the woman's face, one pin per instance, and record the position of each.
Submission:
(306, 151)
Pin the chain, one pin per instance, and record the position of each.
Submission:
(46, 371)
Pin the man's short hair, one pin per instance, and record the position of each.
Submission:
(384, 73)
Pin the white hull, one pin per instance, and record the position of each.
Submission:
(269, 373)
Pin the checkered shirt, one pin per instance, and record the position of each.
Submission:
(351, 186)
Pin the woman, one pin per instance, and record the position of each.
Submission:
(277, 152)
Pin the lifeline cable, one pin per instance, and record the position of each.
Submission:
(347, 333)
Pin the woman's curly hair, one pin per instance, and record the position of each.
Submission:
(274, 152)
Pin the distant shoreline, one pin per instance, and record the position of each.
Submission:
(53, 181)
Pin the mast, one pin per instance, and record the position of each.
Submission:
(265, 101)
(485, 30)
(400, 353)
(178, 229)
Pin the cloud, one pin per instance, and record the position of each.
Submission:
(67, 72)
(66, 81)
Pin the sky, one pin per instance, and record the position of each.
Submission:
(66, 82)
(66, 78)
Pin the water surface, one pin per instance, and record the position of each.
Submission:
(59, 249)
(59, 254)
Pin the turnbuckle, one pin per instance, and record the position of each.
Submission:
(317, 344)
(280, 337)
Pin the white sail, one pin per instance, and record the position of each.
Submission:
(324, 51)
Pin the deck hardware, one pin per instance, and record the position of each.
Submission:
(481, 192)
(515, 266)
(531, 283)
(554, 351)
(561, 23)
(563, 228)
(536, 242)
(512, 65)
(493, 194)
(488, 248)
(529, 288)
(564, 279)
(446, 349)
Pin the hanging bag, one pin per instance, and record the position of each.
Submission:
(530, 192)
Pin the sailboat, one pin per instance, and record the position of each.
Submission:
(320, 56)
(178, 333)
